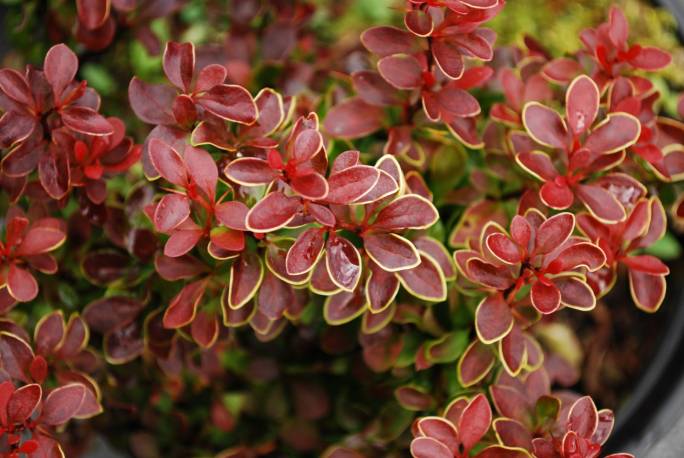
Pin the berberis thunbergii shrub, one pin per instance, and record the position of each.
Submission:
(320, 249)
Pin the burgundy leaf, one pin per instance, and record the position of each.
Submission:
(171, 211)
(582, 104)
(545, 126)
(60, 67)
(425, 281)
(493, 319)
(391, 251)
(21, 285)
(407, 212)
(353, 118)
(250, 171)
(385, 41)
(152, 103)
(475, 421)
(401, 71)
(351, 184)
(246, 275)
(305, 252)
(343, 262)
(86, 121)
(272, 212)
(179, 64)
(62, 404)
(230, 102)
(93, 13)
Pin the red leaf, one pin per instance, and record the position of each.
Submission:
(204, 329)
(554, 232)
(85, 120)
(54, 172)
(177, 268)
(575, 293)
(353, 119)
(582, 254)
(493, 319)
(104, 315)
(385, 41)
(381, 288)
(16, 356)
(311, 186)
(425, 281)
(373, 89)
(647, 264)
(303, 254)
(441, 430)
(230, 102)
(391, 251)
(418, 22)
(21, 284)
(232, 214)
(651, 59)
(179, 64)
(426, 447)
(407, 212)
(171, 211)
(562, 70)
(401, 71)
(343, 262)
(474, 422)
(49, 333)
(228, 239)
(38, 369)
(210, 76)
(14, 85)
(182, 241)
(504, 248)
(582, 104)
(343, 307)
(497, 277)
(23, 403)
(62, 404)
(351, 184)
(475, 363)
(556, 196)
(272, 212)
(14, 128)
(545, 298)
(618, 27)
(513, 350)
(513, 433)
(648, 291)
(601, 203)
(246, 275)
(152, 103)
(617, 132)
(545, 126)
(92, 13)
(448, 57)
(250, 171)
(202, 169)
(40, 240)
(307, 144)
(60, 67)
(183, 306)
(274, 296)
(583, 417)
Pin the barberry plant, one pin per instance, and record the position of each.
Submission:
(299, 248)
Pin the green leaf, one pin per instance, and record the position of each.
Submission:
(448, 348)
(546, 411)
